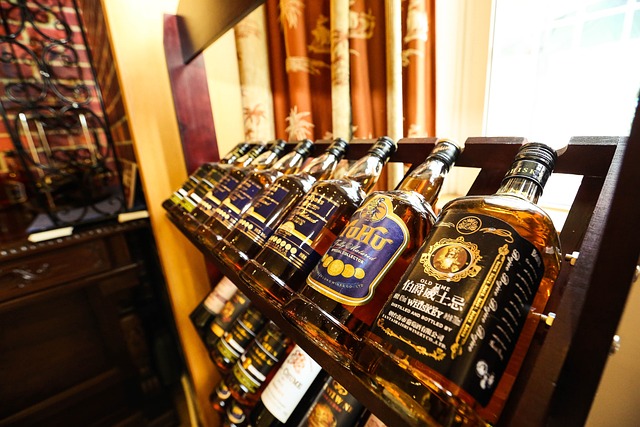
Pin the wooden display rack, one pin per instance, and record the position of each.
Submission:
(563, 366)
(562, 369)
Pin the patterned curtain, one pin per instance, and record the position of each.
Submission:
(327, 67)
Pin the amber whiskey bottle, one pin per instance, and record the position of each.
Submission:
(225, 216)
(269, 209)
(348, 287)
(200, 206)
(214, 174)
(297, 245)
(195, 178)
(451, 338)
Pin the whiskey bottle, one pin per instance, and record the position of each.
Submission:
(235, 341)
(255, 368)
(270, 208)
(220, 398)
(291, 388)
(348, 287)
(451, 338)
(297, 245)
(225, 216)
(211, 306)
(236, 415)
(194, 179)
(213, 191)
(332, 405)
(222, 322)
(214, 173)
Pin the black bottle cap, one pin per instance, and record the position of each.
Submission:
(304, 147)
(256, 150)
(446, 150)
(242, 148)
(338, 147)
(278, 146)
(535, 161)
(384, 147)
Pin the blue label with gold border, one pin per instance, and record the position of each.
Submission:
(363, 253)
(292, 240)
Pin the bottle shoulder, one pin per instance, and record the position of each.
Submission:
(406, 198)
(528, 219)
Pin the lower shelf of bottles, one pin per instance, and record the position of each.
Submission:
(356, 386)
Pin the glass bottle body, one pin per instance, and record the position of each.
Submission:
(235, 341)
(188, 186)
(291, 252)
(255, 226)
(294, 384)
(454, 362)
(228, 213)
(255, 368)
(211, 306)
(349, 286)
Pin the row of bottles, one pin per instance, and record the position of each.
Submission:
(437, 312)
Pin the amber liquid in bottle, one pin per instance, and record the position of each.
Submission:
(349, 286)
(292, 251)
(219, 186)
(447, 346)
(195, 178)
(269, 209)
(227, 214)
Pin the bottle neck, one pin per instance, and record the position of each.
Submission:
(426, 180)
(520, 187)
(248, 158)
(290, 163)
(265, 160)
(366, 171)
(234, 154)
(322, 166)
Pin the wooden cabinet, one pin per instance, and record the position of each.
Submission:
(85, 332)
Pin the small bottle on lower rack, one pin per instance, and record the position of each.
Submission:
(450, 340)
(222, 322)
(235, 341)
(255, 368)
(220, 398)
(236, 415)
(211, 306)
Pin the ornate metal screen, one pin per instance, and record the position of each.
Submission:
(52, 108)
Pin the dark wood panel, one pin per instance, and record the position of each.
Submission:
(38, 272)
(46, 348)
(191, 99)
(203, 21)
